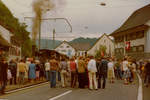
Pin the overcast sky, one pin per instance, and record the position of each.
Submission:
(87, 17)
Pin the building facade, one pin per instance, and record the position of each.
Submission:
(7, 46)
(104, 40)
(81, 48)
(66, 49)
(133, 37)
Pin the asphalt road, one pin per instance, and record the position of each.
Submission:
(146, 93)
(116, 91)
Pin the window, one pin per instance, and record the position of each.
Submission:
(104, 41)
(134, 49)
(121, 50)
(61, 46)
(68, 46)
(63, 50)
(140, 48)
(140, 34)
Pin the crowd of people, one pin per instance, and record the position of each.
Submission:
(81, 72)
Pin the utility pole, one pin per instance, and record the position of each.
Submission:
(53, 30)
(53, 39)
(39, 34)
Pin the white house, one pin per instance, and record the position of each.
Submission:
(133, 37)
(81, 48)
(104, 40)
(5, 34)
(66, 48)
(11, 51)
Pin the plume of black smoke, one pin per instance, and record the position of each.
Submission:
(39, 7)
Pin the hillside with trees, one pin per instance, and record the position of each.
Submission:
(20, 34)
(48, 43)
(91, 41)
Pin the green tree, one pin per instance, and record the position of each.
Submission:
(20, 34)
(102, 49)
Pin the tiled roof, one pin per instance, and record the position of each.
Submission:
(139, 17)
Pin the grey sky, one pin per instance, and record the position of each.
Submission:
(87, 17)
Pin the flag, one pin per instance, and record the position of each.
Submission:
(102, 53)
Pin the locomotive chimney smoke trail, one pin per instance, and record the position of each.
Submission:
(39, 7)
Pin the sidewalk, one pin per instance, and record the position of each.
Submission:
(14, 87)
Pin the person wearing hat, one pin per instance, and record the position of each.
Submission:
(3, 74)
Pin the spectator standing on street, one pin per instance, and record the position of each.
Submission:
(73, 69)
(28, 62)
(37, 70)
(53, 70)
(47, 70)
(63, 71)
(81, 72)
(13, 69)
(147, 73)
(134, 65)
(125, 71)
(98, 62)
(111, 73)
(21, 69)
(92, 73)
(103, 72)
(118, 69)
(3, 74)
(32, 69)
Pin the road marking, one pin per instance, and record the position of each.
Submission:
(25, 88)
(54, 98)
(140, 89)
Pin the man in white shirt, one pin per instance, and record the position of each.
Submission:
(125, 70)
(92, 73)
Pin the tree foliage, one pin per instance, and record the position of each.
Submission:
(102, 49)
(18, 29)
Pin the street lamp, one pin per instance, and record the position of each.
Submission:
(103, 4)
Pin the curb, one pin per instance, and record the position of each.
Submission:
(140, 89)
(25, 87)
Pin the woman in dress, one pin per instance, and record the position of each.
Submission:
(111, 74)
(32, 69)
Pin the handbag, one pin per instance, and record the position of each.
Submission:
(9, 75)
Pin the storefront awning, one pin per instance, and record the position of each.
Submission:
(3, 42)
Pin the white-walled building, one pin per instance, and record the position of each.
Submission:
(133, 37)
(5, 34)
(104, 40)
(65, 48)
(6, 44)
(81, 48)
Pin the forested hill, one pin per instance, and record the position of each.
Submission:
(91, 41)
(48, 44)
(20, 34)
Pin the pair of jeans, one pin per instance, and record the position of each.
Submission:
(81, 77)
(3, 86)
(53, 79)
(147, 79)
(14, 77)
(118, 73)
(47, 75)
(102, 77)
(59, 76)
(73, 78)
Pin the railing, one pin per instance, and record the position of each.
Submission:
(136, 55)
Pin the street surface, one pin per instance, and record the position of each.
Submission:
(116, 91)
(146, 93)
